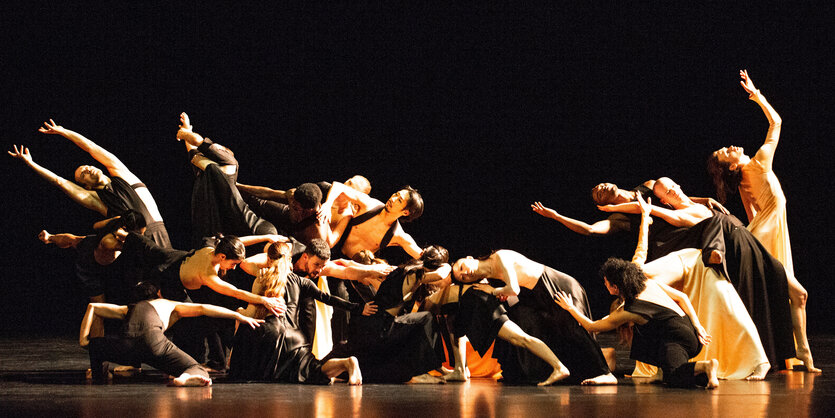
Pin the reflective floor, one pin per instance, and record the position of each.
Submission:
(45, 375)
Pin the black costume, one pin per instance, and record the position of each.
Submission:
(479, 317)
(539, 316)
(393, 349)
(278, 213)
(278, 351)
(141, 340)
(119, 197)
(668, 340)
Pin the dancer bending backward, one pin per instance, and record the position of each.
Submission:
(758, 277)
(109, 196)
(141, 339)
(535, 285)
(667, 331)
(279, 351)
(765, 205)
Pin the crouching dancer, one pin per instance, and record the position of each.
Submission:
(141, 338)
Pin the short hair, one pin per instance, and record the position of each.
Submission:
(414, 205)
(627, 276)
(308, 195)
(230, 246)
(319, 248)
(144, 291)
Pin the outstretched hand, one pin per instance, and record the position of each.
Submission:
(564, 300)
(275, 305)
(185, 123)
(51, 128)
(252, 322)
(45, 237)
(645, 205)
(380, 271)
(21, 153)
(369, 309)
(542, 210)
(747, 83)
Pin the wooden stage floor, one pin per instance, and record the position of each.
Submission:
(44, 376)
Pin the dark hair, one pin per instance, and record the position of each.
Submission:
(432, 258)
(308, 195)
(414, 205)
(725, 180)
(230, 246)
(319, 248)
(144, 291)
(628, 277)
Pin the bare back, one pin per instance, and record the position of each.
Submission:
(197, 267)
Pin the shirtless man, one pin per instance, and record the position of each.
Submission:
(98, 192)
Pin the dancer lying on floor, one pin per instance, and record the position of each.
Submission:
(667, 331)
(141, 339)
(279, 351)
(535, 286)
(765, 204)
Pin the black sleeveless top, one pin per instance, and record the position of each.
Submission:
(664, 326)
(119, 197)
(390, 293)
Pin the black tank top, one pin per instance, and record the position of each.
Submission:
(119, 197)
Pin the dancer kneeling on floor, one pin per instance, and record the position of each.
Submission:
(667, 331)
(141, 338)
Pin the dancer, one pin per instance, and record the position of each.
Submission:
(109, 196)
(141, 339)
(535, 285)
(758, 277)
(765, 204)
(279, 351)
(667, 331)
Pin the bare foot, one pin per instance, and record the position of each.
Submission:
(558, 374)
(354, 374)
(805, 356)
(426, 378)
(759, 372)
(457, 375)
(716, 257)
(603, 379)
(712, 371)
(186, 379)
(126, 371)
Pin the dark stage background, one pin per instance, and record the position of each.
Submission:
(483, 110)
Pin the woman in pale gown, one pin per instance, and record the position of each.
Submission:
(765, 205)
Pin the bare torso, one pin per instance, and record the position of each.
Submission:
(196, 267)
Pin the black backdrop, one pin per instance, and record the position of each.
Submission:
(483, 110)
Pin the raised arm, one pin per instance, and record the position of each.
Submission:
(95, 313)
(607, 323)
(114, 166)
(640, 256)
(765, 155)
(607, 226)
(83, 197)
(684, 302)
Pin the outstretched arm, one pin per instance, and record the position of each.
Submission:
(86, 198)
(607, 226)
(274, 305)
(95, 313)
(255, 239)
(114, 166)
(197, 309)
(61, 240)
(765, 155)
(265, 193)
(678, 218)
(607, 323)
(351, 270)
(640, 256)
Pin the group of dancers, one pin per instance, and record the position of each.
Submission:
(704, 297)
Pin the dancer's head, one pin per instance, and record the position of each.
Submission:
(669, 193)
(144, 291)
(273, 277)
(623, 278)
(312, 261)
(229, 251)
(465, 270)
(407, 203)
(434, 256)
(359, 183)
(90, 177)
(724, 167)
(308, 196)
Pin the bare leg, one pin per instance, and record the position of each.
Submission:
(797, 298)
(609, 355)
(335, 367)
(511, 333)
(459, 373)
(710, 368)
(759, 372)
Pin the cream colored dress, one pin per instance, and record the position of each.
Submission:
(736, 342)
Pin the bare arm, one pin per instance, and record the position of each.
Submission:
(197, 309)
(640, 256)
(607, 226)
(275, 305)
(679, 217)
(255, 239)
(334, 234)
(264, 192)
(765, 155)
(95, 313)
(351, 270)
(684, 302)
(61, 240)
(114, 166)
(511, 287)
(607, 323)
(86, 198)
